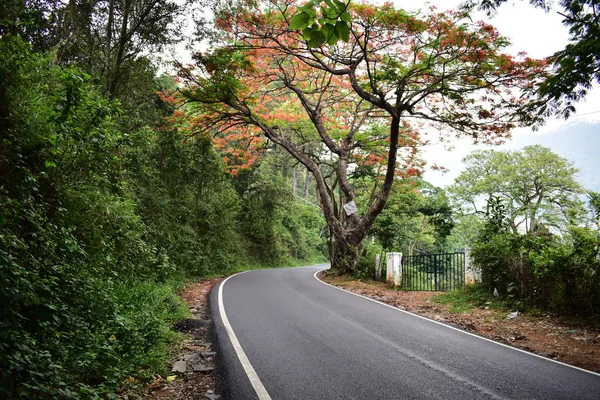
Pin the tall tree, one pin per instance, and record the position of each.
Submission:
(361, 100)
(536, 187)
(107, 38)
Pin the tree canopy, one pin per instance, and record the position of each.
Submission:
(361, 102)
(536, 187)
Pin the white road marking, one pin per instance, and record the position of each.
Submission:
(451, 327)
(252, 375)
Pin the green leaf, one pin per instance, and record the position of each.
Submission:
(329, 32)
(299, 21)
(316, 39)
(340, 4)
(342, 31)
(345, 16)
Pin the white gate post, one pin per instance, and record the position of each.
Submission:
(394, 269)
(472, 273)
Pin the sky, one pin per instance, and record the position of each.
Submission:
(539, 34)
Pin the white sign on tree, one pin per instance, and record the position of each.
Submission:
(350, 208)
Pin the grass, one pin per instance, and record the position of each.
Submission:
(474, 296)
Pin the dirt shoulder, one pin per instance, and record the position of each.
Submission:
(545, 335)
(192, 375)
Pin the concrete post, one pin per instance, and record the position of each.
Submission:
(394, 269)
(472, 272)
(377, 267)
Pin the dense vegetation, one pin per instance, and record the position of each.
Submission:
(106, 206)
(538, 241)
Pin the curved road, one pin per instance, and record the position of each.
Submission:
(307, 340)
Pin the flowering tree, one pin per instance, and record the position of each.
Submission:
(342, 106)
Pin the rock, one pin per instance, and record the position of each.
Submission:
(212, 396)
(206, 354)
(200, 343)
(192, 357)
(179, 366)
(512, 315)
(199, 367)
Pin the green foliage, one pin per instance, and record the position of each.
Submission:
(416, 218)
(94, 223)
(536, 186)
(323, 22)
(186, 201)
(365, 268)
(73, 323)
(549, 271)
(276, 228)
(464, 233)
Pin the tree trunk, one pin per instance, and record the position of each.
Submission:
(344, 254)
(294, 181)
(307, 184)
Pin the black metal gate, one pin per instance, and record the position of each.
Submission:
(433, 272)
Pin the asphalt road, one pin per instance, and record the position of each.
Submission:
(307, 340)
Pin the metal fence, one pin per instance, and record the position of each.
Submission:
(433, 272)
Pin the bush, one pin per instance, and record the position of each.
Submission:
(365, 268)
(548, 271)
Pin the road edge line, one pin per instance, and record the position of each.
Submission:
(248, 368)
(453, 328)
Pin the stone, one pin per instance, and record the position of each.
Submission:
(179, 366)
(206, 354)
(199, 367)
(192, 357)
(212, 396)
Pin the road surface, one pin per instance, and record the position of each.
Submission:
(283, 335)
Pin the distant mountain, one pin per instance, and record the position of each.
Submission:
(578, 142)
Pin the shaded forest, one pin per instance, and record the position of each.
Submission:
(106, 206)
